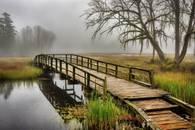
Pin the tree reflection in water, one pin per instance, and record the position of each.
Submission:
(6, 87)
(66, 97)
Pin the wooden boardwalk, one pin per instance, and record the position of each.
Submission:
(154, 108)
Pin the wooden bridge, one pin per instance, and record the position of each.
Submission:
(154, 108)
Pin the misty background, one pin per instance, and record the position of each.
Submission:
(63, 18)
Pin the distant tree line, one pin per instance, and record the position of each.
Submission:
(29, 40)
(146, 22)
(37, 39)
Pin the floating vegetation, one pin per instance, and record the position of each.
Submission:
(68, 113)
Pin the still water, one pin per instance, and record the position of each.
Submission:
(31, 105)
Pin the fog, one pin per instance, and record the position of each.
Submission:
(63, 17)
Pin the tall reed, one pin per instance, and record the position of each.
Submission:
(102, 114)
(181, 85)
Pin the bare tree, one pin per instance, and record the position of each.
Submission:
(146, 21)
(134, 19)
(182, 17)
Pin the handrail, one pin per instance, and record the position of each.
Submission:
(135, 74)
(61, 65)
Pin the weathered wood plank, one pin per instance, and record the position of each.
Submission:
(154, 104)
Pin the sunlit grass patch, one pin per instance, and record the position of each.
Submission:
(181, 85)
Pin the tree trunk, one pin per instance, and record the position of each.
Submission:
(188, 34)
(177, 30)
(184, 49)
(153, 54)
(158, 50)
(194, 49)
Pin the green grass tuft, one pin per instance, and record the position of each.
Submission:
(102, 114)
(28, 72)
(178, 84)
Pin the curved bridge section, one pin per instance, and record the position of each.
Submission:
(154, 108)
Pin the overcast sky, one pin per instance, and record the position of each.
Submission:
(63, 17)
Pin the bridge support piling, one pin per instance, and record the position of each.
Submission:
(51, 63)
(60, 65)
(73, 74)
(88, 80)
(56, 60)
(66, 70)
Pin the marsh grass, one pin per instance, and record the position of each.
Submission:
(181, 85)
(18, 68)
(102, 114)
(178, 81)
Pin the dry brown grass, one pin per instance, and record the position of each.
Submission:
(17, 68)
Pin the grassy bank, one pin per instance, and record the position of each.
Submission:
(104, 114)
(180, 82)
(15, 68)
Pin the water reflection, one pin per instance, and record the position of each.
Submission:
(38, 105)
(6, 87)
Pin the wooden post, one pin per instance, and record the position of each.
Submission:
(130, 74)
(88, 80)
(60, 65)
(85, 78)
(73, 74)
(87, 63)
(97, 66)
(38, 60)
(70, 58)
(106, 68)
(91, 63)
(48, 60)
(66, 69)
(56, 64)
(66, 58)
(81, 61)
(151, 76)
(105, 89)
(51, 62)
(77, 60)
(45, 60)
(116, 70)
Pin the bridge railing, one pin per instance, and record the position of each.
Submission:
(135, 74)
(76, 73)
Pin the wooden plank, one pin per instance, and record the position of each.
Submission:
(154, 104)
(169, 120)
(187, 107)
